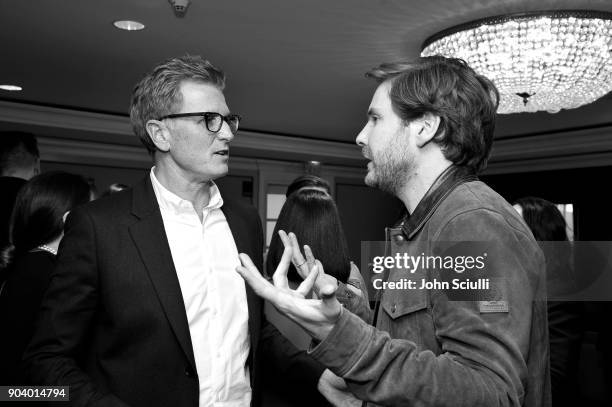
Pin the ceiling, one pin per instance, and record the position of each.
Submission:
(295, 68)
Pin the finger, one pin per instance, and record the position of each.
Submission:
(284, 238)
(298, 260)
(252, 276)
(323, 279)
(327, 288)
(247, 263)
(309, 256)
(306, 286)
(297, 255)
(280, 275)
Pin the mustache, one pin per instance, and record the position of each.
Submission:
(366, 152)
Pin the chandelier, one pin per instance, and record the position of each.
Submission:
(547, 60)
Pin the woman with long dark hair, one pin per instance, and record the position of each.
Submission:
(36, 229)
(311, 214)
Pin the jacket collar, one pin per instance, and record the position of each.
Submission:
(144, 202)
(446, 182)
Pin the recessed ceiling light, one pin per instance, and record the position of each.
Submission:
(11, 88)
(129, 25)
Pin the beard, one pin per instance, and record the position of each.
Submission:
(390, 168)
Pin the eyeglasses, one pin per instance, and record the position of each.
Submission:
(214, 121)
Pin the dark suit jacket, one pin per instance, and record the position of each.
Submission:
(27, 282)
(113, 324)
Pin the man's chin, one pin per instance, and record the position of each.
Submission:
(220, 172)
(370, 179)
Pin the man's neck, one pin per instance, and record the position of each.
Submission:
(419, 183)
(176, 181)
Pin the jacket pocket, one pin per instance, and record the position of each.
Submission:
(403, 302)
(408, 316)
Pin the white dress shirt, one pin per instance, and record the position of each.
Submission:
(205, 257)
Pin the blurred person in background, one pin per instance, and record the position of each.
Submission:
(565, 318)
(36, 229)
(19, 161)
(310, 213)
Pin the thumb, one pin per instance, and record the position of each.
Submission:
(327, 290)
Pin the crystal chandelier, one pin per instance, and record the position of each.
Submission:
(548, 60)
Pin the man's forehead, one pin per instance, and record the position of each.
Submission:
(196, 88)
(380, 99)
(207, 95)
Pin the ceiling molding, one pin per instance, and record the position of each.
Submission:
(563, 149)
(562, 143)
(125, 156)
(24, 113)
(248, 142)
(320, 149)
(550, 164)
(92, 153)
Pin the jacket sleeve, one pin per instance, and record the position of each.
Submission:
(66, 313)
(357, 304)
(483, 354)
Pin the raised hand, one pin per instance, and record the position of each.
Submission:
(304, 263)
(316, 316)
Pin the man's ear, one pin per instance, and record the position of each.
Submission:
(427, 127)
(159, 134)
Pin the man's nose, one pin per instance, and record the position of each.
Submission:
(362, 138)
(225, 132)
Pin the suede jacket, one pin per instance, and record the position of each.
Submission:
(440, 347)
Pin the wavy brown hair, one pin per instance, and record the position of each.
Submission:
(465, 101)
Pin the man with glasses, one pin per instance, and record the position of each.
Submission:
(145, 308)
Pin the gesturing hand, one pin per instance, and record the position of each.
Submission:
(316, 316)
(304, 263)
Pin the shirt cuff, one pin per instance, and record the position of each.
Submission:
(345, 344)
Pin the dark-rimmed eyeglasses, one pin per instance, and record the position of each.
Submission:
(214, 121)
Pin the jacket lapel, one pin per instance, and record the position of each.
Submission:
(151, 241)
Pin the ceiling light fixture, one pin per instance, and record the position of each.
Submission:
(180, 7)
(11, 88)
(129, 25)
(545, 60)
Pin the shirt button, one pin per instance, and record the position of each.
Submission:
(394, 308)
(399, 238)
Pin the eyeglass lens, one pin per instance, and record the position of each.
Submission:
(214, 121)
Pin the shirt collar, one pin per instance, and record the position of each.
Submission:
(170, 201)
(446, 182)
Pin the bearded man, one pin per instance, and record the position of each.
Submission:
(429, 133)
